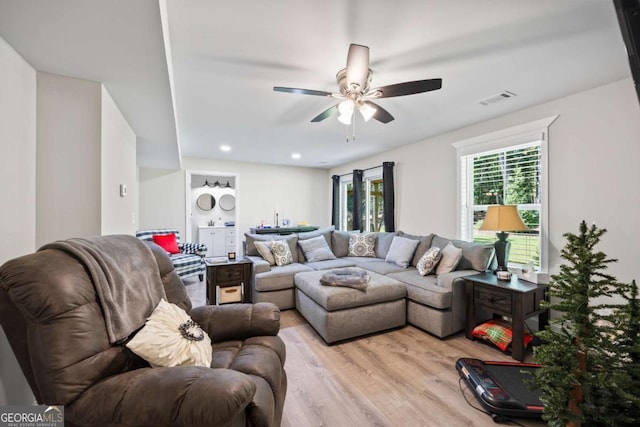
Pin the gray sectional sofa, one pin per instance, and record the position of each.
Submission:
(434, 303)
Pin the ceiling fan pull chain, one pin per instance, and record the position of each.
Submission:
(354, 125)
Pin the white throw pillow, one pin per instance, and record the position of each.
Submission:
(281, 252)
(401, 251)
(427, 262)
(264, 249)
(362, 245)
(451, 257)
(171, 338)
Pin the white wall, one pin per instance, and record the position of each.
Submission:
(300, 194)
(17, 192)
(162, 199)
(118, 166)
(68, 158)
(594, 147)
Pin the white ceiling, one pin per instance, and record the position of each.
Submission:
(226, 56)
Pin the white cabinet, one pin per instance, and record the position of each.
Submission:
(219, 240)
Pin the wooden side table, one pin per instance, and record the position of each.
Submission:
(515, 298)
(229, 281)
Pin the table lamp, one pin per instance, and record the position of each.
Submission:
(503, 218)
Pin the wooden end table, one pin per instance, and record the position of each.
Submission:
(233, 273)
(514, 298)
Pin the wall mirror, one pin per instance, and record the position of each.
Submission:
(227, 202)
(206, 202)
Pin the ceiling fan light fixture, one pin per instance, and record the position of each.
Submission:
(345, 119)
(345, 108)
(367, 110)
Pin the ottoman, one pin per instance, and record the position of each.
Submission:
(340, 313)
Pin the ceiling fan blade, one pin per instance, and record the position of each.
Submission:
(357, 66)
(301, 91)
(326, 113)
(381, 114)
(407, 88)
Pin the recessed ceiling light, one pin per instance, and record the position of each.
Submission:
(225, 148)
(295, 156)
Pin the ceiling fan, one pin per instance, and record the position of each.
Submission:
(354, 81)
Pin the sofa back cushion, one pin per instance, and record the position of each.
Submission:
(383, 243)
(423, 246)
(340, 243)
(475, 256)
(250, 247)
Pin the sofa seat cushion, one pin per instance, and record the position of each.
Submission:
(380, 289)
(424, 289)
(383, 267)
(331, 263)
(279, 277)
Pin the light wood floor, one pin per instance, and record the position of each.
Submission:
(400, 378)
(404, 377)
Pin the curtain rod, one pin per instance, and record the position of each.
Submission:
(368, 169)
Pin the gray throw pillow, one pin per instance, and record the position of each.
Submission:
(264, 249)
(451, 257)
(316, 249)
(401, 251)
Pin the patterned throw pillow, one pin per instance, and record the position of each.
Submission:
(427, 262)
(281, 252)
(362, 245)
(264, 249)
(499, 333)
(171, 338)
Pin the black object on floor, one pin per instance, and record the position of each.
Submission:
(502, 388)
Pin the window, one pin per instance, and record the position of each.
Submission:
(506, 167)
(373, 206)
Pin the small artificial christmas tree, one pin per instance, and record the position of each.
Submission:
(589, 349)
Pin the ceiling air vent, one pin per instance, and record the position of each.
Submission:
(502, 96)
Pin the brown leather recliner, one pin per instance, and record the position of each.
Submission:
(51, 314)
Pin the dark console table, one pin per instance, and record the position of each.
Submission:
(514, 298)
(283, 230)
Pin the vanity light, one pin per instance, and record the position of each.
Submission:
(295, 156)
(225, 148)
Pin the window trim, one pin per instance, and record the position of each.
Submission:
(537, 130)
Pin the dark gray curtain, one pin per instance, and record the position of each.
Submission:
(335, 208)
(357, 200)
(389, 197)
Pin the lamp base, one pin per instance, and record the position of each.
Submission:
(502, 246)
